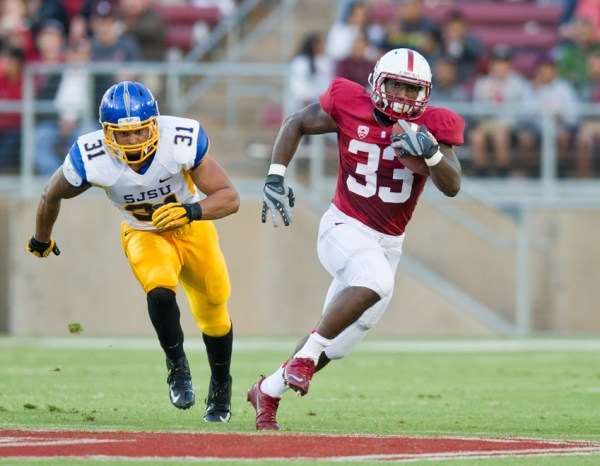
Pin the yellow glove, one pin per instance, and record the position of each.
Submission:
(175, 215)
(40, 249)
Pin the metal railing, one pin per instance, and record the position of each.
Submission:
(514, 199)
(315, 185)
(175, 83)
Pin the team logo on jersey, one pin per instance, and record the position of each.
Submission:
(363, 131)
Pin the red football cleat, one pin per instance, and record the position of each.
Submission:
(297, 374)
(265, 406)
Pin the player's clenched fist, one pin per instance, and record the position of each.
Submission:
(176, 215)
(416, 143)
(41, 249)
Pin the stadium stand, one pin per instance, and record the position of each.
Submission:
(523, 25)
(528, 28)
(489, 13)
(182, 22)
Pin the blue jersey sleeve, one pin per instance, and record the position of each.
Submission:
(201, 147)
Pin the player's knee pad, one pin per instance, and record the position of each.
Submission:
(382, 286)
(382, 283)
(374, 273)
(212, 319)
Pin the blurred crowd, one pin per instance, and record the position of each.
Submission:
(466, 68)
(555, 80)
(73, 33)
(70, 32)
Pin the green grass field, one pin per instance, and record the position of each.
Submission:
(536, 389)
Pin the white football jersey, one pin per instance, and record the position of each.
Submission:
(182, 146)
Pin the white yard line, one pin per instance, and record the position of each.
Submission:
(373, 344)
(334, 459)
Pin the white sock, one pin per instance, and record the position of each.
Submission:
(313, 347)
(273, 385)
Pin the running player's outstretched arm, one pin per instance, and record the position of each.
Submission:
(222, 198)
(309, 120)
(278, 198)
(58, 188)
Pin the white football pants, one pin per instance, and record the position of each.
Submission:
(356, 255)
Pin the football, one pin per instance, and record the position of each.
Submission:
(414, 164)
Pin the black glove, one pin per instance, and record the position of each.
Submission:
(40, 249)
(411, 142)
(277, 197)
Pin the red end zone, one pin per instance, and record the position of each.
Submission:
(81, 444)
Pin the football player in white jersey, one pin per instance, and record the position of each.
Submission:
(390, 142)
(153, 169)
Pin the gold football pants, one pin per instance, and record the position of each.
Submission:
(191, 256)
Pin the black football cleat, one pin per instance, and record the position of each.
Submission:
(218, 402)
(181, 392)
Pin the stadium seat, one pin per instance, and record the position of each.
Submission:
(183, 19)
(517, 37)
(523, 26)
(499, 13)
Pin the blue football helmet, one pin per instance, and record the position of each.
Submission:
(126, 107)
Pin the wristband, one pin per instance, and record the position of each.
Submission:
(277, 169)
(40, 244)
(194, 211)
(434, 159)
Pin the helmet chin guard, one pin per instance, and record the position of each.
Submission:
(407, 66)
(129, 106)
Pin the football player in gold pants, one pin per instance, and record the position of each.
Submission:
(157, 171)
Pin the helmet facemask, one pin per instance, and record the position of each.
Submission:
(400, 106)
(132, 153)
(410, 68)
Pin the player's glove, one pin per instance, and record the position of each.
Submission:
(41, 249)
(420, 144)
(175, 215)
(277, 197)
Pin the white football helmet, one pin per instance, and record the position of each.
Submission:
(407, 66)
